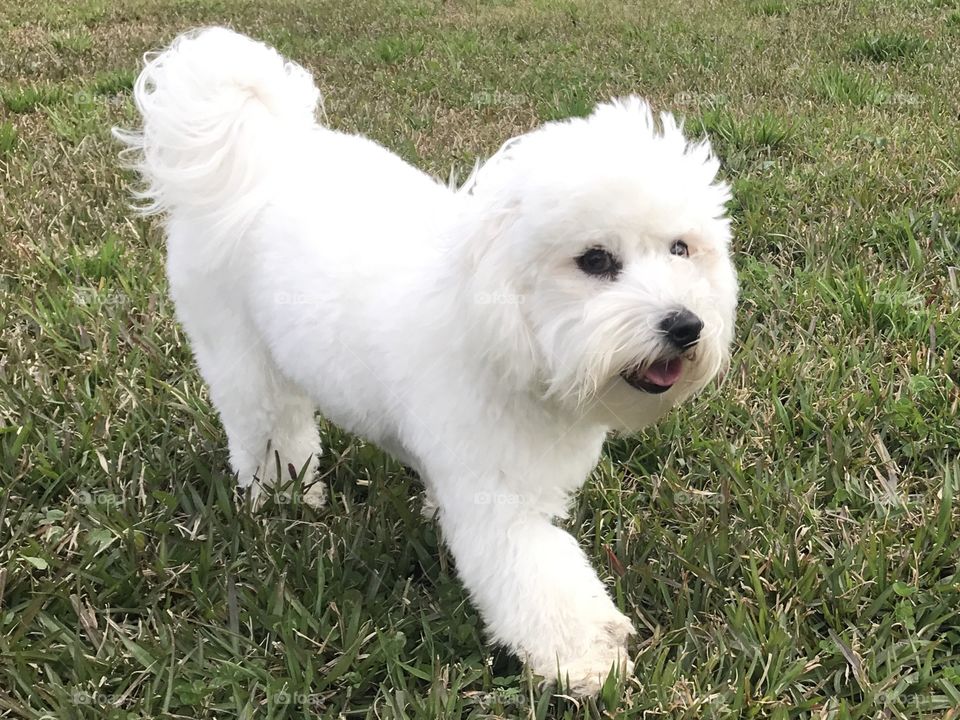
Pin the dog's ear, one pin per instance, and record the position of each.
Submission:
(481, 171)
(497, 293)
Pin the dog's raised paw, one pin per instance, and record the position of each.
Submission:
(585, 673)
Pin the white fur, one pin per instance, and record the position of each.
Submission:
(316, 270)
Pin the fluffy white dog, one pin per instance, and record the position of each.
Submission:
(489, 337)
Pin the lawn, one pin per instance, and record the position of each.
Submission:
(788, 545)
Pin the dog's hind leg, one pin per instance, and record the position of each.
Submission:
(270, 425)
(269, 421)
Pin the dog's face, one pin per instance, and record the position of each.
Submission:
(608, 249)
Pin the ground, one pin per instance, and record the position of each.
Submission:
(787, 545)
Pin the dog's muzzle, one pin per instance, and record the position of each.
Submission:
(681, 329)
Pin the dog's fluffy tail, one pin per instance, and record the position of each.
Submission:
(217, 108)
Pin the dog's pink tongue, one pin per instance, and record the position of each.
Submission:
(665, 372)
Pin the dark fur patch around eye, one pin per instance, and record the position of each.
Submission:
(600, 262)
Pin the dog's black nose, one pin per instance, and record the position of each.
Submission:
(682, 328)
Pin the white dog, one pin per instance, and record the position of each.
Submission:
(489, 337)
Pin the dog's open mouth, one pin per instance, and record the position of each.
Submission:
(655, 378)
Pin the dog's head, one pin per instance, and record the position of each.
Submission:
(600, 262)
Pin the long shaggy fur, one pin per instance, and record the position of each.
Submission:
(211, 92)
(456, 328)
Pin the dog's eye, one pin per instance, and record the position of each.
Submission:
(680, 249)
(600, 262)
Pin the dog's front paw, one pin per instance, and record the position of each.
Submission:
(584, 672)
(585, 676)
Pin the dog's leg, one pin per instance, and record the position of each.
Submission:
(266, 417)
(269, 424)
(534, 586)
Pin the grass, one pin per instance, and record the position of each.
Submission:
(887, 47)
(742, 142)
(77, 41)
(8, 138)
(26, 98)
(842, 86)
(787, 545)
(392, 50)
(769, 7)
